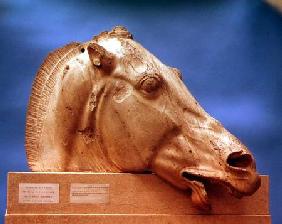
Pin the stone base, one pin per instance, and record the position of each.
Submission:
(135, 219)
(103, 198)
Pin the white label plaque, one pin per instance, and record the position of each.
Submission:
(89, 193)
(34, 193)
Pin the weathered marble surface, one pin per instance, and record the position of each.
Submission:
(109, 105)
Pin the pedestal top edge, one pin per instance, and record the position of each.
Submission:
(94, 173)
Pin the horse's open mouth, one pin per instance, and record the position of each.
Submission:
(198, 183)
(193, 177)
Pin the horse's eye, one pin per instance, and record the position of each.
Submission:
(150, 83)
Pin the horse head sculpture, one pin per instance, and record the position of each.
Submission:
(109, 105)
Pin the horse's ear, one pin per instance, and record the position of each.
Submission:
(101, 58)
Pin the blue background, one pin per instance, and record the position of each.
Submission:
(230, 53)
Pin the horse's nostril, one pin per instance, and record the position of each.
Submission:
(237, 159)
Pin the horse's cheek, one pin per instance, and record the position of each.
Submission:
(117, 139)
(144, 125)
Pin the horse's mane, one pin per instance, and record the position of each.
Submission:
(42, 88)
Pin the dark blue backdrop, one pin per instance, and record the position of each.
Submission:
(230, 53)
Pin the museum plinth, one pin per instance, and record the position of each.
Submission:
(106, 198)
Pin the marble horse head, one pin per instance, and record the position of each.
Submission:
(109, 105)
